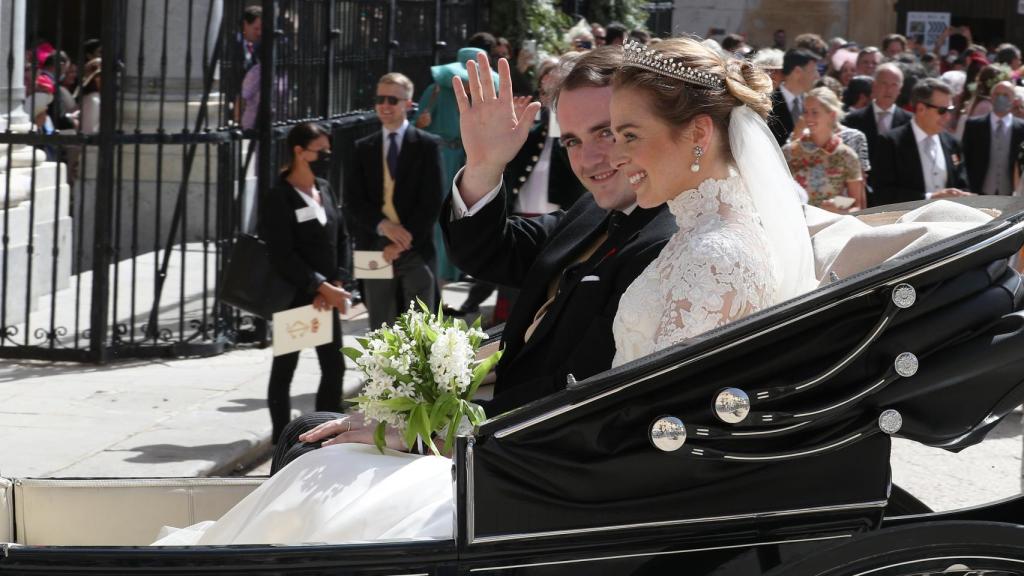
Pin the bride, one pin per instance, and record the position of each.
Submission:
(690, 132)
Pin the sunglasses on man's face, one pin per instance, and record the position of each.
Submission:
(942, 110)
(393, 100)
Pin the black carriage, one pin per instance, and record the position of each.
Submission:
(761, 447)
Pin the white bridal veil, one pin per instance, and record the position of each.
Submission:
(776, 197)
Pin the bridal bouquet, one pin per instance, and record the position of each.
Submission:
(421, 375)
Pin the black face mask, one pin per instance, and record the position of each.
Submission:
(322, 165)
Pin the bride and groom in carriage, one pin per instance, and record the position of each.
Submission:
(693, 222)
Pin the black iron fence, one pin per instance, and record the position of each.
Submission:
(115, 231)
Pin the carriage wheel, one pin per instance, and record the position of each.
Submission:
(938, 548)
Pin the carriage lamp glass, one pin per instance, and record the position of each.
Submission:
(906, 364)
(668, 434)
(904, 296)
(732, 405)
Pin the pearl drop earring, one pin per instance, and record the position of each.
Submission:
(697, 152)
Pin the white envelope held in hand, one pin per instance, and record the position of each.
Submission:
(299, 328)
(370, 265)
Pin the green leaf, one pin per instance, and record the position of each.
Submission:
(353, 353)
(441, 410)
(453, 425)
(401, 404)
(481, 370)
(475, 412)
(378, 436)
(363, 342)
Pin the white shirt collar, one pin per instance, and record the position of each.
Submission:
(789, 96)
(919, 134)
(400, 131)
(1006, 121)
(878, 109)
(629, 209)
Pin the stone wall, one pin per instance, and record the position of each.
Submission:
(864, 21)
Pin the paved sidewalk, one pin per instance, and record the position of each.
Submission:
(159, 418)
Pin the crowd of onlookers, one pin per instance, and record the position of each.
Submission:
(871, 125)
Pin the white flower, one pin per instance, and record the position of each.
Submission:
(450, 359)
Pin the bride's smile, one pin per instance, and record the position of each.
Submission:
(658, 159)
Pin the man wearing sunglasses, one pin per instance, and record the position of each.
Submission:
(392, 199)
(920, 160)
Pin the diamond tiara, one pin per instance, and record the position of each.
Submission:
(640, 56)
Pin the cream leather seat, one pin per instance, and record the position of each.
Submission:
(111, 511)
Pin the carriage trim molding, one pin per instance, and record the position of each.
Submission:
(1009, 230)
(666, 553)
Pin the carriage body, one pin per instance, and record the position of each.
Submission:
(760, 446)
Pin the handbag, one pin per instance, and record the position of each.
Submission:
(251, 283)
(425, 118)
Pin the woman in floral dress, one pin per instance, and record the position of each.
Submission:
(820, 162)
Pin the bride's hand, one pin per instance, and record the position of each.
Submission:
(493, 130)
(332, 428)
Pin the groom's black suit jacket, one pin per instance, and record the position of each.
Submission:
(575, 336)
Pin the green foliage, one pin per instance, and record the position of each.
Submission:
(629, 12)
(540, 20)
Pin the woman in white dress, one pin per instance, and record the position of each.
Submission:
(690, 131)
(722, 264)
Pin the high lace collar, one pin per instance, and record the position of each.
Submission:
(689, 205)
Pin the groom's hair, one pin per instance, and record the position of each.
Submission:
(593, 69)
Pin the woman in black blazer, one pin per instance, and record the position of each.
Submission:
(302, 228)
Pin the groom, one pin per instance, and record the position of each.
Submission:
(571, 267)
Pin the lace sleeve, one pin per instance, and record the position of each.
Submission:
(725, 276)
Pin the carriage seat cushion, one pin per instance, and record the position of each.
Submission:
(119, 512)
(6, 511)
(848, 245)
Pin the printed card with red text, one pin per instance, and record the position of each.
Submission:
(299, 328)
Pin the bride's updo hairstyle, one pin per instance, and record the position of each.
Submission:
(684, 79)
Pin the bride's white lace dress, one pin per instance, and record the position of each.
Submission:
(717, 268)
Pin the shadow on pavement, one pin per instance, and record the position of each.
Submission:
(304, 402)
(162, 453)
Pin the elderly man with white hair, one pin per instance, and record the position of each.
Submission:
(883, 114)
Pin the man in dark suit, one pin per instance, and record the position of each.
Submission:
(991, 143)
(799, 73)
(392, 199)
(920, 160)
(571, 266)
(883, 114)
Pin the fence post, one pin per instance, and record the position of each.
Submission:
(268, 69)
(113, 30)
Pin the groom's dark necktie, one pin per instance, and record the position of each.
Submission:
(612, 224)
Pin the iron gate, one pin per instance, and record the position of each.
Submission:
(113, 241)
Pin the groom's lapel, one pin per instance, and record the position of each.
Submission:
(559, 253)
(604, 257)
